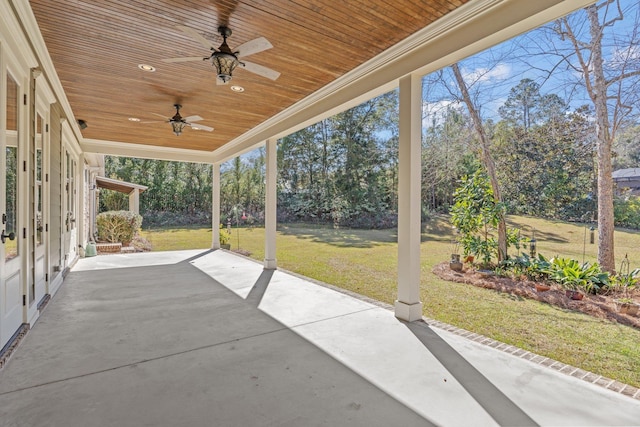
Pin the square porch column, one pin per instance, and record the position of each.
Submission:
(215, 206)
(408, 306)
(270, 206)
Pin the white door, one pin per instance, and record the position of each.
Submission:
(11, 295)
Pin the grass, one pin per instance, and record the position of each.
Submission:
(172, 239)
(365, 261)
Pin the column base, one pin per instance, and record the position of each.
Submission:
(408, 312)
(270, 264)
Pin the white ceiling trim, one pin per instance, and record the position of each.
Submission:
(125, 149)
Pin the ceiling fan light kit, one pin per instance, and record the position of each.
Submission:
(178, 123)
(177, 127)
(225, 60)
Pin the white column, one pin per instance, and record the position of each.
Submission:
(270, 206)
(408, 306)
(83, 189)
(215, 207)
(134, 201)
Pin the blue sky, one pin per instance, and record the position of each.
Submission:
(492, 73)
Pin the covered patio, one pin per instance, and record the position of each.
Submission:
(211, 338)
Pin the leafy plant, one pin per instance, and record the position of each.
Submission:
(480, 246)
(625, 282)
(476, 214)
(570, 274)
(225, 236)
(535, 268)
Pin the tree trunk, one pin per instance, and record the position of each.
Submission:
(606, 257)
(486, 159)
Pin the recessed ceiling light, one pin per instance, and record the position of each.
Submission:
(237, 88)
(134, 119)
(147, 67)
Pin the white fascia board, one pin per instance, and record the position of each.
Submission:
(94, 161)
(145, 151)
(471, 28)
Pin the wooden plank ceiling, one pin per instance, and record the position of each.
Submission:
(96, 47)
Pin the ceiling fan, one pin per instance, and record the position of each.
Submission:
(224, 59)
(178, 122)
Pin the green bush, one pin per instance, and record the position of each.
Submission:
(476, 215)
(534, 268)
(570, 274)
(625, 282)
(225, 236)
(626, 212)
(118, 226)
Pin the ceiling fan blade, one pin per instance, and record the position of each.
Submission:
(261, 70)
(160, 115)
(197, 36)
(185, 59)
(253, 46)
(192, 119)
(197, 126)
(154, 121)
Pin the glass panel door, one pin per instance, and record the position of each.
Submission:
(11, 290)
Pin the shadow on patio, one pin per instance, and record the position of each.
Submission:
(210, 338)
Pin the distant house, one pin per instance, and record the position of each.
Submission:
(627, 179)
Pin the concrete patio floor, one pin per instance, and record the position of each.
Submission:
(209, 338)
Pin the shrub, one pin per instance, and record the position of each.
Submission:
(476, 214)
(141, 244)
(570, 274)
(626, 282)
(171, 219)
(118, 226)
(225, 236)
(626, 212)
(534, 268)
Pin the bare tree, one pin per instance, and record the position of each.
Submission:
(609, 74)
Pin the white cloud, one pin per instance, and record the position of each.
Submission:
(498, 73)
(434, 113)
(624, 55)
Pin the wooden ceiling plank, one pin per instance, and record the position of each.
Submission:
(96, 47)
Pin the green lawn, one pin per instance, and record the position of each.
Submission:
(364, 261)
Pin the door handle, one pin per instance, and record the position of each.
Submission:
(10, 236)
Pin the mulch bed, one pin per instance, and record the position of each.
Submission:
(599, 306)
